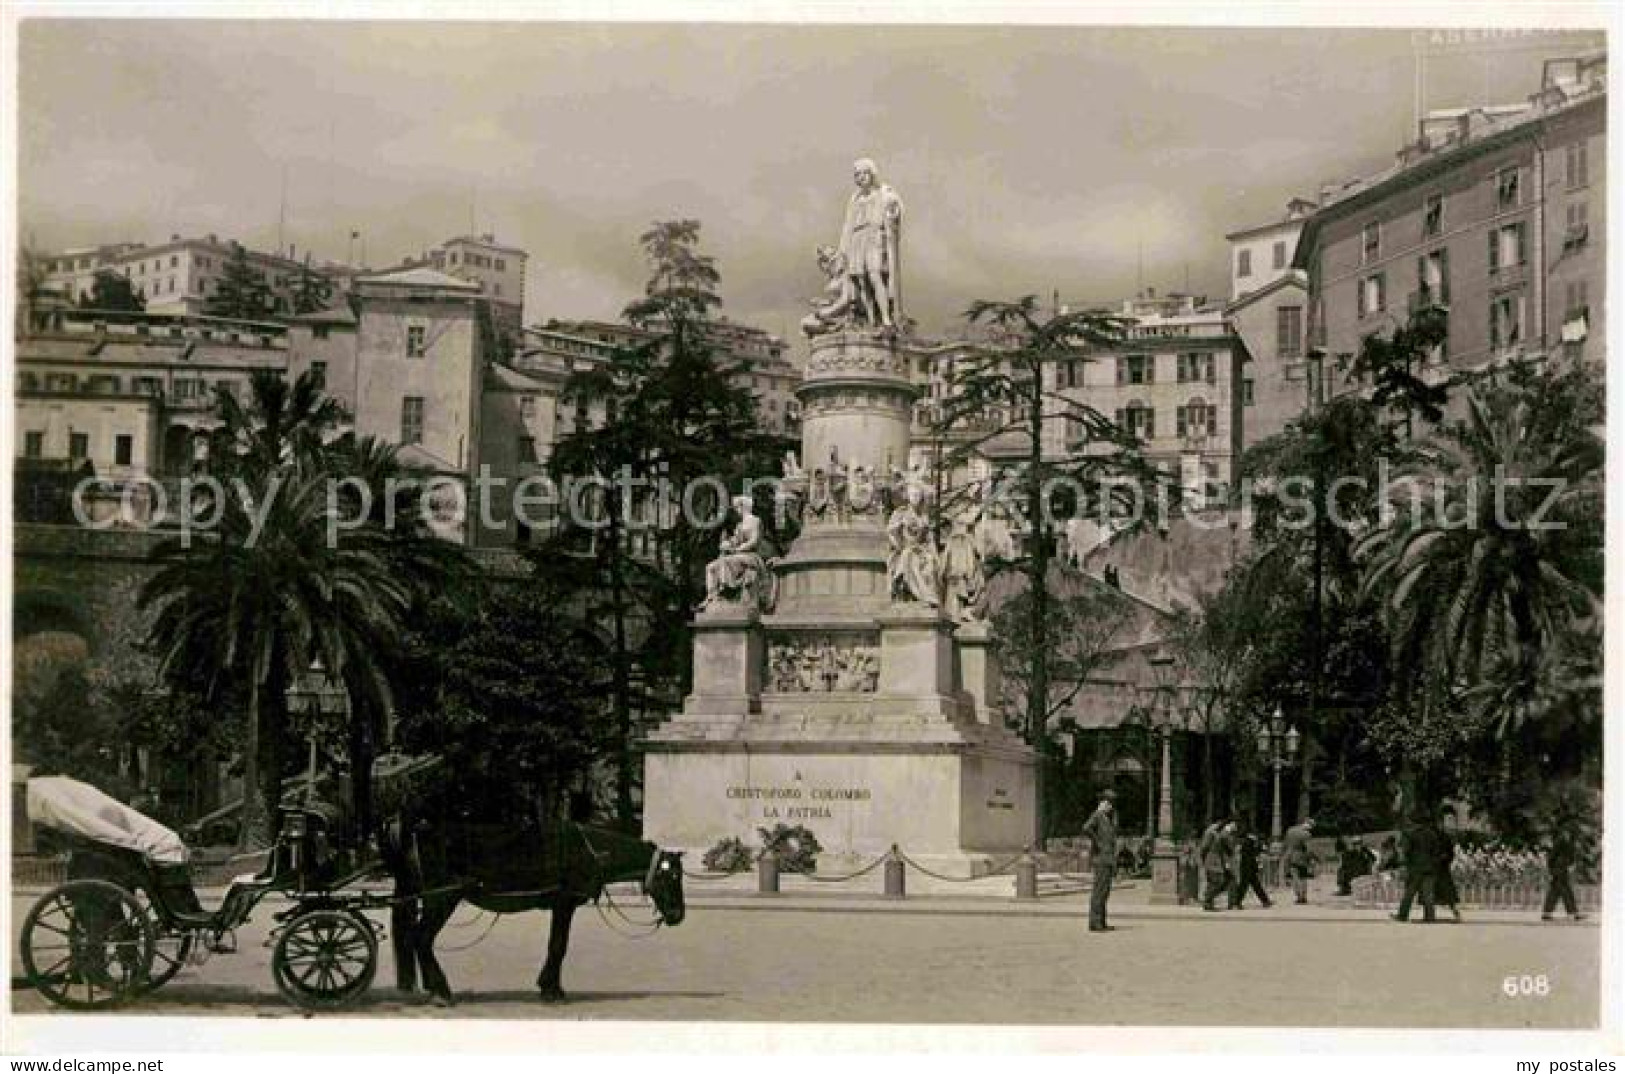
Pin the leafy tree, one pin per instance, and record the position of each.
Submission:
(61, 730)
(31, 288)
(1314, 493)
(1005, 391)
(113, 291)
(242, 292)
(510, 693)
(1087, 626)
(1210, 645)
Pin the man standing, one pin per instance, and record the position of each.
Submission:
(870, 243)
(1298, 858)
(1247, 878)
(1419, 856)
(1101, 828)
(1214, 853)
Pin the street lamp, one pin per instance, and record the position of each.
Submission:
(1161, 662)
(314, 694)
(1277, 745)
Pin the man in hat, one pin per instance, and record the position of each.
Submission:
(1298, 858)
(1101, 829)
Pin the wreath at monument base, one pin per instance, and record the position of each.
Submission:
(796, 847)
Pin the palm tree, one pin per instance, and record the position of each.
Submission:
(1492, 554)
(281, 424)
(295, 570)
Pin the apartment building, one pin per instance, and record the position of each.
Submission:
(176, 277)
(1497, 214)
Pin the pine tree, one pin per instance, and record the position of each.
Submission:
(111, 291)
(242, 292)
(674, 415)
(311, 290)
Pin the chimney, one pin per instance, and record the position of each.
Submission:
(212, 237)
(174, 238)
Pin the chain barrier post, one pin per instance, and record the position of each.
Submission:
(894, 874)
(767, 874)
(1027, 876)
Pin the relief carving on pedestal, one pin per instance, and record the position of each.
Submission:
(823, 663)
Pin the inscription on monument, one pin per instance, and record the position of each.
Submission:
(799, 803)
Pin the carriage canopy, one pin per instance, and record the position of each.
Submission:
(67, 805)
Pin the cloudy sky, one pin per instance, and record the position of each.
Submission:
(1031, 160)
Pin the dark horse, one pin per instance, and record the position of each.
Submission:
(505, 869)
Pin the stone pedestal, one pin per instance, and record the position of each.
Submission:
(868, 721)
(978, 671)
(727, 662)
(1165, 877)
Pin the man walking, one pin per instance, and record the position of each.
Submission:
(1101, 828)
(1444, 883)
(1298, 858)
(1561, 852)
(1419, 857)
(1214, 853)
(1248, 849)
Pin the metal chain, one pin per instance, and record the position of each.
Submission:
(839, 879)
(960, 879)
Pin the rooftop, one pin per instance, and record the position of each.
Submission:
(419, 278)
(1566, 84)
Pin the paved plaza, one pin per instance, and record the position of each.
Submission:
(851, 957)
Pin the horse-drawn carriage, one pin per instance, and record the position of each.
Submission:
(128, 918)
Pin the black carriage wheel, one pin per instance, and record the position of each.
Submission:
(170, 950)
(325, 959)
(87, 945)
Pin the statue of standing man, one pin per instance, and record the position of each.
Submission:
(871, 247)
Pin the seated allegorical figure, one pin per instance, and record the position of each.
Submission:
(739, 574)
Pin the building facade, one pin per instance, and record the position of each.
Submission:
(176, 277)
(764, 370)
(1262, 254)
(498, 270)
(1495, 214)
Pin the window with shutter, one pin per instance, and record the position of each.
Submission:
(1181, 422)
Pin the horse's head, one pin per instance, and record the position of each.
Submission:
(664, 885)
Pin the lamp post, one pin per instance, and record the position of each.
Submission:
(1165, 854)
(315, 694)
(1161, 663)
(1277, 744)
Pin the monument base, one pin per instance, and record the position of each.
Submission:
(955, 808)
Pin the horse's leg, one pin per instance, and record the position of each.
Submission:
(403, 926)
(558, 943)
(436, 911)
